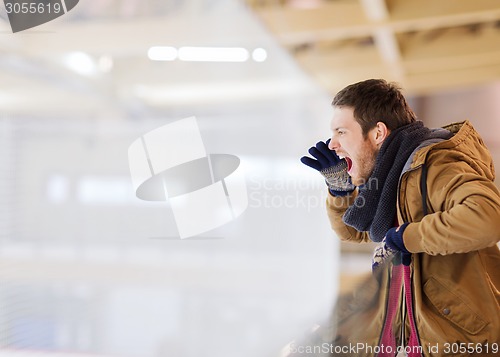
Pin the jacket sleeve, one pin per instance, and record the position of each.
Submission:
(335, 208)
(466, 211)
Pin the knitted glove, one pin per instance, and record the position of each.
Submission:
(333, 168)
(381, 254)
(394, 240)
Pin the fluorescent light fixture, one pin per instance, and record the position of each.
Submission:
(162, 53)
(213, 54)
(259, 55)
(104, 190)
(80, 63)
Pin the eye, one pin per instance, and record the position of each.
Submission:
(340, 132)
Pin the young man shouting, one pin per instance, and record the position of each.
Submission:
(427, 197)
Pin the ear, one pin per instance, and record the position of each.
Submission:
(379, 133)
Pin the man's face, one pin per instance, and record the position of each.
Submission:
(349, 143)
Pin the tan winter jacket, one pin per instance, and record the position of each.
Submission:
(456, 260)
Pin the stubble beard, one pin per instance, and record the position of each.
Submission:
(367, 166)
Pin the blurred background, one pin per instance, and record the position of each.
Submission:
(88, 269)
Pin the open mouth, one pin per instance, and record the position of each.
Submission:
(349, 163)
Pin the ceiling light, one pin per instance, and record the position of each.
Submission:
(259, 55)
(162, 53)
(213, 54)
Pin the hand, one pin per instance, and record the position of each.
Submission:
(333, 168)
(394, 240)
(381, 254)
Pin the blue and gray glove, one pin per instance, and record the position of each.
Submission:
(333, 168)
(392, 248)
(394, 240)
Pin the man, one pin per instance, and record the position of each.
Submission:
(428, 198)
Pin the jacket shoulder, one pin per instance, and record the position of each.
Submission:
(465, 145)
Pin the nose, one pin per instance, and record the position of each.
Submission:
(333, 144)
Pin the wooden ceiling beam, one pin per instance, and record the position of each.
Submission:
(332, 20)
(425, 83)
(414, 84)
(384, 36)
(452, 60)
(418, 15)
(453, 42)
(426, 45)
(346, 19)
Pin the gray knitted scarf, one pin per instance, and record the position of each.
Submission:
(374, 209)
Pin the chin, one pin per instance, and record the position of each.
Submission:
(358, 181)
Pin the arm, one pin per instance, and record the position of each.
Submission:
(335, 208)
(341, 191)
(466, 207)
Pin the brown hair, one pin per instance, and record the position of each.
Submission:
(376, 100)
